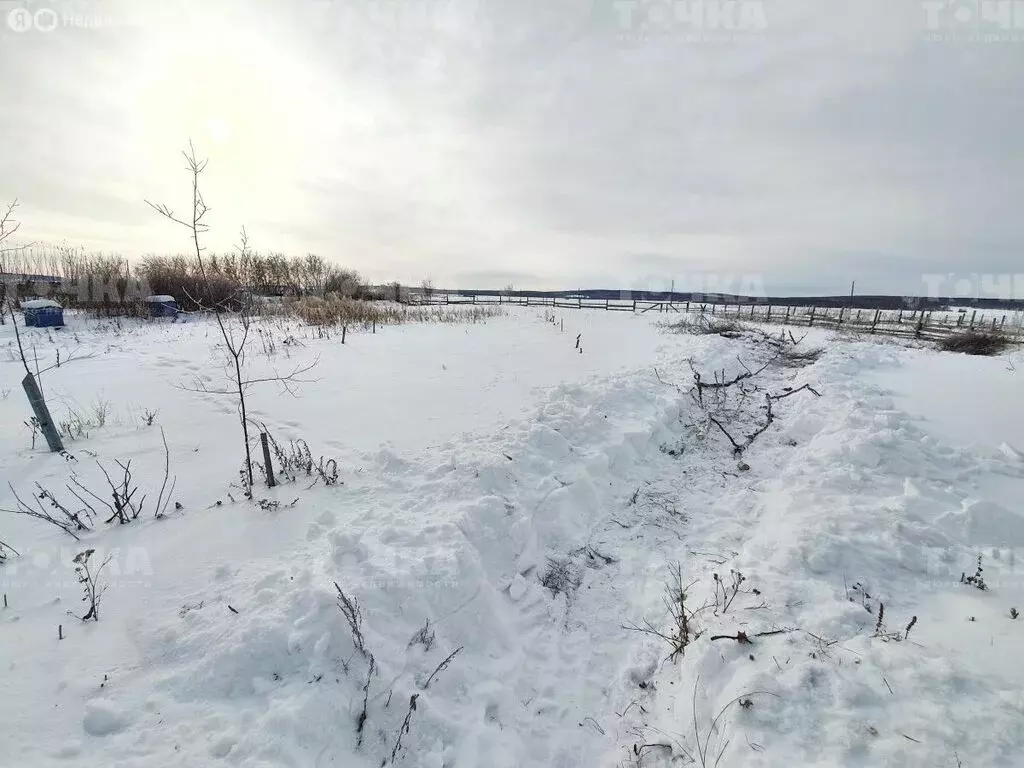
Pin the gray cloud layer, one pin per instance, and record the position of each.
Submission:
(551, 144)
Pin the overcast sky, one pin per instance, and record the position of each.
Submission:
(544, 143)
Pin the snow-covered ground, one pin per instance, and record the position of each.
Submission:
(530, 502)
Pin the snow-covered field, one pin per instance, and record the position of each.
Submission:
(530, 502)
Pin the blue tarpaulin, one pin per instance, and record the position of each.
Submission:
(162, 306)
(43, 313)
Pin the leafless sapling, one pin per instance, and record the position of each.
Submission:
(234, 326)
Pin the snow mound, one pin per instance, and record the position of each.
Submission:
(983, 523)
(103, 718)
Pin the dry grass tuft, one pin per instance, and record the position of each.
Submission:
(338, 311)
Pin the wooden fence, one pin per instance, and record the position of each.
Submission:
(911, 323)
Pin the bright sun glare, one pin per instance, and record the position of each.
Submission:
(218, 130)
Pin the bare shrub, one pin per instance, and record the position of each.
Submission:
(703, 324)
(984, 343)
(562, 576)
(977, 580)
(80, 424)
(294, 459)
(712, 399)
(726, 592)
(424, 636)
(72, 523)
(685, 627)
(124, 506)
(92, 586)
(182, 278)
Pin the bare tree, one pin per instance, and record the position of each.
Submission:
(234, 326)
(314, 274)
(8, 226)
(344, 282)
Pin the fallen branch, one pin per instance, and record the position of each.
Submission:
(789, 392)
(743, 637)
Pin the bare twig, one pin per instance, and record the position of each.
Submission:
(69, 522)
(405, 726)
(161, 503)
(442, 666)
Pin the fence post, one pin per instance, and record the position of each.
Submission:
(875, 321)
(840, 321)
(267, 466)
(751, 311)
(687, 306)
(787, 314)
(634, 305)
(810, 321)
(769, 313)
(1002, 322)
(973, 315)
(35, 399)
